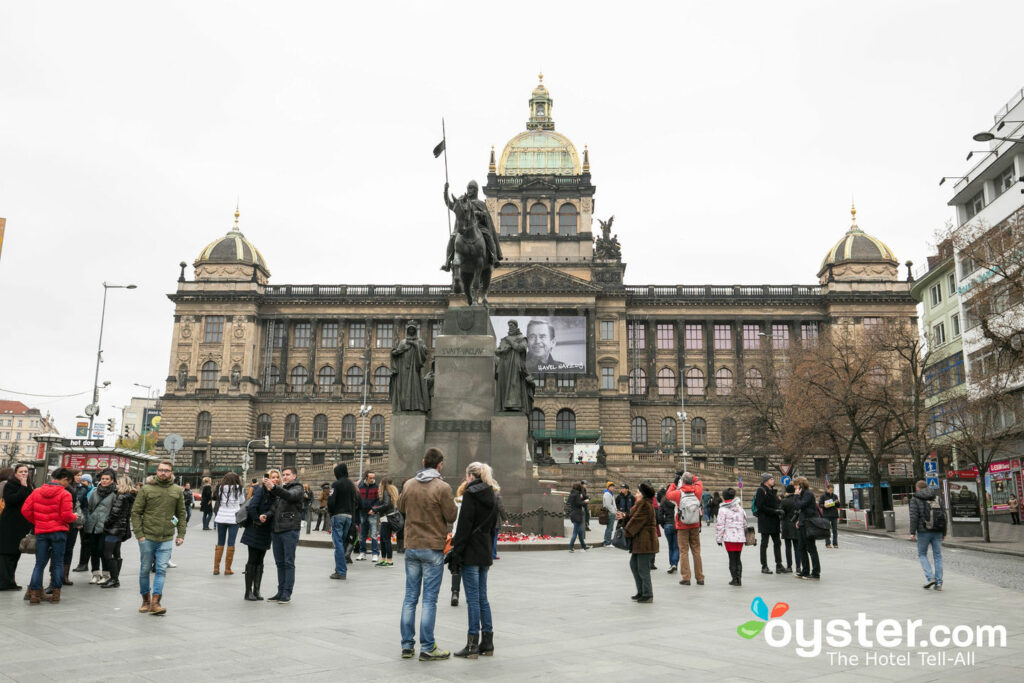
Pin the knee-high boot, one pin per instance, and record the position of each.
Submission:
(229, 556)
(257, 579)
(218, 552)
(250, 574)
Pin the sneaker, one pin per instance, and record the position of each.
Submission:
(672, 570)
(382, 563)
(335, 575)
(407, 652)
(571, 550)
(814, 577)
(362, 556)
(828, 545)
(274, 598)
(929, 584)
(171, 565)
(375, 558)
(700, 582)
(583, 549)
(284, 600)
(684, 582)
(434, 654)
(938, 586)
(646, 599)
(802, 576)
(765, 570)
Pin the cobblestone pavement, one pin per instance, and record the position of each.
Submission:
(556, 615)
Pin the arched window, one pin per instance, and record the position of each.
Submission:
(263, 424)
(377, 428)
(299, 376)
(699, 432)
(567, 219)
(728, 432)
(723, 381)
(209, 375)
(204, 424)
(354, 379)
(381, 380)
(291, 428)
(666, 382)
(348, 428)
(325, 378)
(538, 219)
(273, 375)
(565, 420)
(638, 430)
(754, 379)
(320, 428)
(637, 382)
(537, 419)
(668, 432)
(509, 220)
(694, 382)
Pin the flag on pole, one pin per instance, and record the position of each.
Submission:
(439, 149)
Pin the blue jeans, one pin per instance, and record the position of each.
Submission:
(609, 530)
(834, 521)
(284, 556)
(188, 513)
(368, 526)
(148, 550)
(673, 547)
(207, 516)
(925, 539)
(474, 580)
(340, 526)
(228, 530)
(577, 532)
(494, 550)
(49, 547)
(426, 567)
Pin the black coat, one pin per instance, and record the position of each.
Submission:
(344, 499)
(119, 521)
(789, 516)
(806, 506)
(286, 514)
(257, 534)
(576, 505)
(625, 502)
(473, 543)
(767, 503)
(832, 511)
(13, 527)
(206, 499)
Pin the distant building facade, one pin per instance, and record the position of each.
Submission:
(18, 425)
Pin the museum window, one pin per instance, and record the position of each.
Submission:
(298, 377)
(204, 425)
(666, 382)
(354, 379)
(754, 378)
(199, 459)
(699, 432)
(280, 332)
(567, 216)
(751, 337)
(436, 330)
(381, 380)
(356, 335)
(377, 428)
(637, 382)
(537, 420)
(638, 431)
(871, 324)
(668, 432)
(607, 330)
(694, 337)
(291, 428)
(300, 339)
(273, 375)
(758, 433)
(636, 335)
(728, 432)
(288, 460)
(780, 337)
(665, 336)
(214, 331)
(538, 219)
(565, 422)
(316, 459)
(694, 382)
(508, 220)
(729, 461)
(723, 381)
(760, 463)
(385, 335)
(348, 428)
(809, 333)
(320, 428)
(820, 467)
(259, 461)
(566, 382)
(607, 378)
(209, 375)
(263, 425)
(329, 335)
(723, 337)
(325, 378)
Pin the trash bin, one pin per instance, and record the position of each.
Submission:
(890, 520)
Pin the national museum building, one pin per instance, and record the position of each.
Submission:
(297, 362)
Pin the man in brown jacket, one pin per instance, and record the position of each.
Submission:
(429, 508)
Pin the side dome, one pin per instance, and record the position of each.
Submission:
(541, 152)
(231, 257)
(865, 254)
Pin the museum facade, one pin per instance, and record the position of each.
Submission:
(307, 365)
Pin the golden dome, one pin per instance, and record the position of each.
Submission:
(857, 246)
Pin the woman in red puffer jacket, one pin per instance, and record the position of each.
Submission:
(49, 510)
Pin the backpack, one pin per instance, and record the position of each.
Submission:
(688, 510)
(935, 516)
(753, 505)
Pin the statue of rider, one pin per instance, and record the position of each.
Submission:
(478, 210)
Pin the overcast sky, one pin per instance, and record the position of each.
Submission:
(727, 139)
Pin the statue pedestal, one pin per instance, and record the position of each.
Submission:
(406, 448)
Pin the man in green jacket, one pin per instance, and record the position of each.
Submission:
(159, 510)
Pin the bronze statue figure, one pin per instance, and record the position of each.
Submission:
(607, 245)
(515, 385)
(473, 249)
(408, 391)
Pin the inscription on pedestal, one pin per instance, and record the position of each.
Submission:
(458, 425)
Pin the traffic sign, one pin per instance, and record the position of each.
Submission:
(931, 466)
(173, 443)
(933, 482)
(785, 469)
(739, 481)
(787, 480)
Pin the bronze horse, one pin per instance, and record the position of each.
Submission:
(472, 265)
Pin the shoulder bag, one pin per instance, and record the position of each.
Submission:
(242, 514)
(27, 545)
(620, 540)
(751, 537)
(395, 520)
(818, 528)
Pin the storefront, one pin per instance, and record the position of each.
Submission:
(1002, 483)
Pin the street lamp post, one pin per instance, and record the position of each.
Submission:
(245, 461)
(364, 410)
(682, 418)
(93, 409)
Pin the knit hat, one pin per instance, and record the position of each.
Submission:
(765, 477)
(87, 477)
(609, 484)
(790, 488)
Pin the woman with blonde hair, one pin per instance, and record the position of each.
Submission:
(257, 536)
(118, 528)
(472, 547)
(386, 506)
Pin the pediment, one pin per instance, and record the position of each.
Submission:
(539, 278)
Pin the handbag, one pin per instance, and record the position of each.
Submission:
(602, 517)
(620, 540)
(242, 515)
(395, 520)
(751, 536)
(817, 528)
(27, 545)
